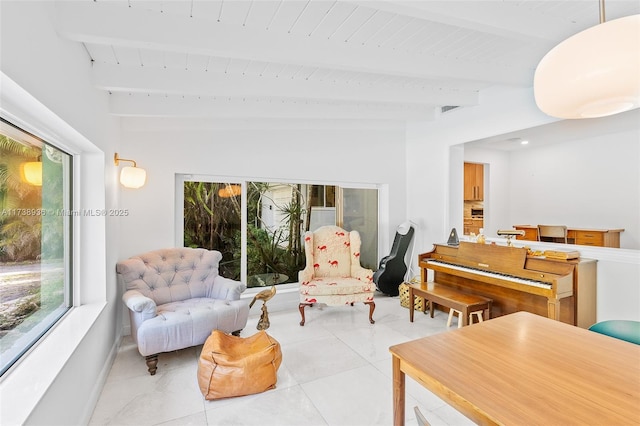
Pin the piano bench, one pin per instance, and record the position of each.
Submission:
(478, 314)
(449, 297)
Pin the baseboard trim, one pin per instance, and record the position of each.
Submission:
(100, 382)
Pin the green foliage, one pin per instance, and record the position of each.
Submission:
(276, 251)
(213, 222)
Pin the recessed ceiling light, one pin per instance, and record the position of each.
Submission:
(524, 142)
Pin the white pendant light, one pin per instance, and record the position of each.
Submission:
(594, 73)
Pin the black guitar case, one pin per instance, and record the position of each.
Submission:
(392, 269)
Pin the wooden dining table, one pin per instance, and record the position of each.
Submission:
(523, 368)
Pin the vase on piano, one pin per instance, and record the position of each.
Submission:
(392, 269)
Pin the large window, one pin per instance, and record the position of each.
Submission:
(258, 225)
(35, 240)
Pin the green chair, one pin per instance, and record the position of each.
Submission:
(620, 329)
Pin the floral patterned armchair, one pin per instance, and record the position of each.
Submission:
(333, 274)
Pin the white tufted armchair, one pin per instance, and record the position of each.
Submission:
(176, 298)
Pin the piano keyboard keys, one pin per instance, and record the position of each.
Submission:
(506, 277)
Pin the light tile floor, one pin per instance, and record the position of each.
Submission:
(336, 370)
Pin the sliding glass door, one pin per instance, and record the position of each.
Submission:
(258, 226)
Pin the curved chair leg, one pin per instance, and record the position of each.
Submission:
(372, 307)
(152, 363)
(301, 308)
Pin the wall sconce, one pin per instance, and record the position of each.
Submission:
(230, 191)
(131, 177)
(31, 172)
(592, 74)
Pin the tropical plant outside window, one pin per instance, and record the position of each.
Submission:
(35, 231)
(277, 215)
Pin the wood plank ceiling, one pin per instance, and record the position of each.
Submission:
(316, 59)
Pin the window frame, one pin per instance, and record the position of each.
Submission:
(24, 386)
(41, 328)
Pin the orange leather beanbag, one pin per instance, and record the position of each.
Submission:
(235, 366)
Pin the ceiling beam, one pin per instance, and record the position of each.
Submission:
(140, 105)
(194, 82)
(113, 23)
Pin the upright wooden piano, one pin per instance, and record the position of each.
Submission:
(563, 290)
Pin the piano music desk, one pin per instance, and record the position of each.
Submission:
(449, 297)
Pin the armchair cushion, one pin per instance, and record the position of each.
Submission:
(176, 298)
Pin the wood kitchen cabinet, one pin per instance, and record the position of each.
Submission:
(472, 226)
(473, 182)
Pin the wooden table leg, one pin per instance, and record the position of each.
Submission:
(398, 392)
(465, 317)
(487, 312)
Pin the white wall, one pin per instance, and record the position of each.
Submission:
(431, 182)
(581, 178)
(313, 152)
(61, 102)
(587, 183)
(433, 188)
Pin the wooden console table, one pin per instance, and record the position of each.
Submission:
(580, 236)
(524, 367)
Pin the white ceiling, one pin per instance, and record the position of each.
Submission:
(310, 59)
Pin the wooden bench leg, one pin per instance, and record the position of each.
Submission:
(450, 317)
(460, 317)
(412, 299)
(478, 314)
